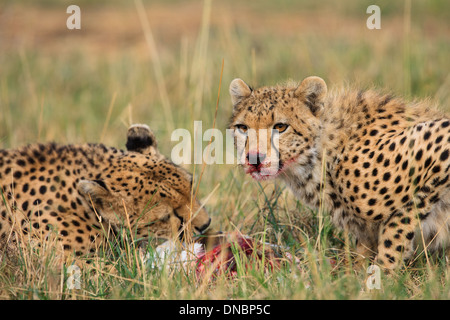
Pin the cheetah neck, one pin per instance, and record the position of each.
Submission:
(310, 180)
(304, 177)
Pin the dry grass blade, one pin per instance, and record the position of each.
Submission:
(166, 106)
(108, 117)
(213, 127)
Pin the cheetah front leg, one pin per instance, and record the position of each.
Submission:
(396, 238)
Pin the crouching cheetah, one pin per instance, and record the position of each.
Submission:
(378, 164)
(79, 191)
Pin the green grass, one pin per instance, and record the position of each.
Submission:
(71, 88)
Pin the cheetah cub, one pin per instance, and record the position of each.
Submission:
(378, 164)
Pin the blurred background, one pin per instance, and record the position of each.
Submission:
(159, 62)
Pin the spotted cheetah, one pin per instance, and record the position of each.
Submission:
(378, 164)
(80, 191)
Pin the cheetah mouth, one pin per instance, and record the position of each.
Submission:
(261, 173)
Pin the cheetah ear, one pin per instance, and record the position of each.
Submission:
(312, 91)
(140, 138)
(93, 189)
(239, 90)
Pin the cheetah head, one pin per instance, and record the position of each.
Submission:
(146, 192)
(276, 128)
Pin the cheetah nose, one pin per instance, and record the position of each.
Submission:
(203, 227)
(255, 159)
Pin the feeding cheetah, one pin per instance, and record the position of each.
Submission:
(378, 164)
(79, 191)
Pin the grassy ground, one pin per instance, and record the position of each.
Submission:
(162, 67)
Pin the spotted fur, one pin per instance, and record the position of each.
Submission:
(80, 191)
(378, 164)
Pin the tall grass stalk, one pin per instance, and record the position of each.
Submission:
(159, 75)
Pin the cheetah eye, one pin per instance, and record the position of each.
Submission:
(242, 128)
(281, 127)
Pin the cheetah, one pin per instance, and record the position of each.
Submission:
(378, 164)
(82, 192)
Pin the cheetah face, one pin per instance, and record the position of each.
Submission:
(150, 215)
(275, 129)
(146, 192)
